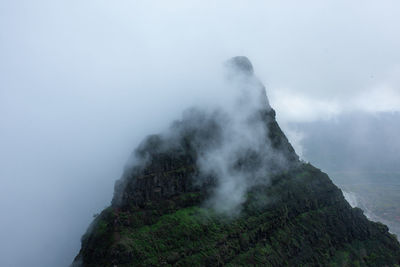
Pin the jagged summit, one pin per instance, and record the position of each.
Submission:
(225, 187)
(242, 64)
(245, 139)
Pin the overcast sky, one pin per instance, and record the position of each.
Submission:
(82, 82)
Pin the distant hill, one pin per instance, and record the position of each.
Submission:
(353, 142)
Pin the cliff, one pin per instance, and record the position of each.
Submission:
(225, 187)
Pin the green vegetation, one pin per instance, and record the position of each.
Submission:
(300, 219)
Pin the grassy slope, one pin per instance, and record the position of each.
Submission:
(300, 219)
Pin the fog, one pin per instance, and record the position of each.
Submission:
(83, 82)
(360, 152)
(228, 141)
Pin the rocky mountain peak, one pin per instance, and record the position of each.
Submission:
(225, 187)
(245, 142)
(241, 64)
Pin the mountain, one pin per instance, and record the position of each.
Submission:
(223, 186)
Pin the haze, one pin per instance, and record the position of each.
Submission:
(83, 82)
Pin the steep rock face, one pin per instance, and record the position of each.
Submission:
(166, 208)
(168, 171)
